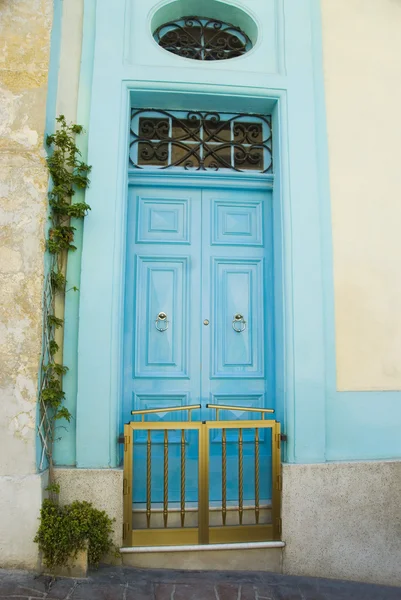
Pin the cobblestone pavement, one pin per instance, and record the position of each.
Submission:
(118, 583)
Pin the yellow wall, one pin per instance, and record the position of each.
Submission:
(362, 67)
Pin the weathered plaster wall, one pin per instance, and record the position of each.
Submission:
(362, 68)
(342, 520)
(20, 502)
(24, 61)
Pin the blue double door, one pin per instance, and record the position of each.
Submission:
(198, 318)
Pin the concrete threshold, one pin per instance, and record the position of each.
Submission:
(249, 556)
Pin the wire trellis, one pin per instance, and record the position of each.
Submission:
(46, 427)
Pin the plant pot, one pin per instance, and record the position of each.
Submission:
(77, 566)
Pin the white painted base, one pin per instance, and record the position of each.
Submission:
(343, 520)
(201, 548)
(20, 503)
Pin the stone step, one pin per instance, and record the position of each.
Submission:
(255, 556)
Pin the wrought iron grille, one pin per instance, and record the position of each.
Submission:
(206, 141)
(202, 39)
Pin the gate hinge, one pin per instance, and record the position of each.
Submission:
(283, 437)
(279, 525)
(278, 440)
(125, 486)
(126, 442)
(125, 530)
(279, 483)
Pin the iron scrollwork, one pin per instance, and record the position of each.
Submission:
(202, 39)
(201, 140)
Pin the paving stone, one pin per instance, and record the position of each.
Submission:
(266, 592)
(286, 593)
(20, 583)
(118, 583)
(164, 590)
(94, 591)
(229, 591)
(12, 589)
(140, 591)
(181, 591)
(59, 589)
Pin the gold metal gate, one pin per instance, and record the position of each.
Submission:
(203, 532)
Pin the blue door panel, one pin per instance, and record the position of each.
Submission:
(163, 282)
(238, 222)
(162, 220)
(237, 290)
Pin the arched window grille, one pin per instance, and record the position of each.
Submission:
(202, 39)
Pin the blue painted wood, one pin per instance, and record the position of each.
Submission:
(237, 368)
(198, 255)
(161, 368)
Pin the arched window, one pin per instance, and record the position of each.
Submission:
(201, 38)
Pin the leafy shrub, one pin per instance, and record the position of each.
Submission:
(65, 530)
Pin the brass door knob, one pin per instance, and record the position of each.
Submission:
(161, 322)
(239, 323)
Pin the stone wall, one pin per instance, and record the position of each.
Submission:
(25, 27)
(342, 520)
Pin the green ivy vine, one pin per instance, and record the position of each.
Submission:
(63, 530)
(68, 174)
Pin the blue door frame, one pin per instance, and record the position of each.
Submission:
(305, 343)
(202, 260)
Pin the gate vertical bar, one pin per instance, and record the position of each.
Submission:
(203, 484)
(149, 478)
(182, 504)
(224, 477)
(165, 487)
(257, 469)
(240, 477)
(276, 475)
(127, 486)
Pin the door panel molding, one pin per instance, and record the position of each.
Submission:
(163, 221)
(162, 283)
(237, 223)
(237, 288)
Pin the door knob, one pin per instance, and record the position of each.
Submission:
(239, 323)
(161, 322)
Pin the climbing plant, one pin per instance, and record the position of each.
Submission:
(63, 530)
(68, 173)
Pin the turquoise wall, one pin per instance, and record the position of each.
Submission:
(282, 74)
